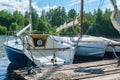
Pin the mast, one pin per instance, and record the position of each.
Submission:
(30, 20)
(81, 21)
(81, 17)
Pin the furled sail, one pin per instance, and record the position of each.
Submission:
(23, 30)
(115, 17)
(70, 24)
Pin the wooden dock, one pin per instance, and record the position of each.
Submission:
(99, 70)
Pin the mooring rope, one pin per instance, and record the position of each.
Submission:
(115, 52)
(113, 47)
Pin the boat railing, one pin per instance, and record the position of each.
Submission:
(8, 34)
(50, 48)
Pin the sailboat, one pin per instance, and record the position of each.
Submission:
(97, 46)
(39, 49)
(49, 50)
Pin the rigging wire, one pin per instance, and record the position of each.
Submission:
(88, 6)
(77, 7)
(100, 4)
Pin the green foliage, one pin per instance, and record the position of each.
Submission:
(44, 26)
(19, 19)
(97, 23)
(5, 19)
(57, 16)
(3, 29)
(35, 19)
(13, 26)
(72, 14)
(26, 18)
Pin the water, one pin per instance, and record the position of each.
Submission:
(4, 62)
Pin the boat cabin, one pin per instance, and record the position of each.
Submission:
(39, 40)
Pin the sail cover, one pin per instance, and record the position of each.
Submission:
(115, 17)
(70, 24)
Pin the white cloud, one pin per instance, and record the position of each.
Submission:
(47, 8)
(108, 5)
(12, 5)
(22, 6)
(75, 2)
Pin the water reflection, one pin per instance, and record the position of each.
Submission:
(4, 62)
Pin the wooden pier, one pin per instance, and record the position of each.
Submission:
(99, 70)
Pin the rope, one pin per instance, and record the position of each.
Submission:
(24, 47)
(118, 58)
(78, 41)
(44, 56)
(115, 52)
(113, 47)
(29, 50)
(54, 56)
(74, 30)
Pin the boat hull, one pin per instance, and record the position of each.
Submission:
(110, 55)
(17, 57)
(82, 59)
(112, 52)
(91, 49)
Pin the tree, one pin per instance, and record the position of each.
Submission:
(88, 24)
(26, 18)
(3, 29)
(5, 19)
(73, 30)
(35, 19)
(109, 29)
(72, 14)
(44, 26)
(19, 19)
(57, 16)
(13, 26)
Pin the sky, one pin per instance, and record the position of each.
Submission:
(39, 5)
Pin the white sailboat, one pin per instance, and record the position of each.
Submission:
(46, 50)
(97, 46)
(38, 49)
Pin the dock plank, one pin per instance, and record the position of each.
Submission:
(68, 72)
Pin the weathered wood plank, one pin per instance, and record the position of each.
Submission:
(67, 72)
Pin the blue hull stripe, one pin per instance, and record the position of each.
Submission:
(17, 57)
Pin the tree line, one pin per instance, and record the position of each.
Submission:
(97, 23)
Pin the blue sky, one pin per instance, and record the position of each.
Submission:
(39, 5)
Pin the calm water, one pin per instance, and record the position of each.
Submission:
(4, 62)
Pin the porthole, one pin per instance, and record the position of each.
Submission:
(39, 42)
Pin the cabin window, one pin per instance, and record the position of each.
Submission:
(39, 42)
